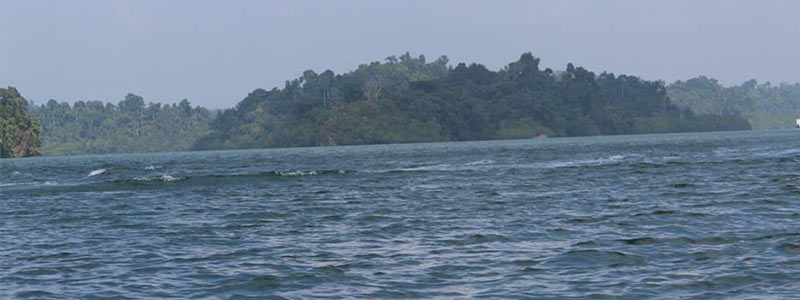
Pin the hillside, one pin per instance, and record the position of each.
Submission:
(408, 99)
(411, 100)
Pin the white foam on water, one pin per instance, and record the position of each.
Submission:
(165, 178)
(584, 162)
(615, 158)
(427, 186)
(296, 173)
(725, 152)
(29, 183)
(780, 153)
(668, 158)
(440, 167)
(480, 162)
(153, 167)
(96, 172)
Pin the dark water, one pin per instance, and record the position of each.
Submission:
(713, 215)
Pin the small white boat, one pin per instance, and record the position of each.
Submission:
(797, 123)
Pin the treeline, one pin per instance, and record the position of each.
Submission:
(765, 106)
(19, 134)
(330, 109)
(407, 99)
(403, 99)
(95, 127)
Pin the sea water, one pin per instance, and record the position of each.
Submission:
(650, 216)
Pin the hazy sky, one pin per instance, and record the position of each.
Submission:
(215, 52)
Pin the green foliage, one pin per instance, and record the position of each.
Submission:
(95, 127)
(329, 109)
(403, 99)
(409, 100)
(19, 134)
(765, 106)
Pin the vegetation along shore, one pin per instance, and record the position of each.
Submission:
(402, 99)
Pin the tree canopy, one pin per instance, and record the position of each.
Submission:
(95, 127)
(765, 106)
(402, 99)
(410, 100)
(19, 134)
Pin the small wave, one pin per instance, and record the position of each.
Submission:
(170, 178)
(33, 294)
(681, 185)
(28, 183)
(442, 167)
(585, 220)
(585, 244)
(593, 257)
(97, 172)
(16, 173)
(298, 173)
(280, 174)
(724, 152)
(480, 162)
(788, 152)
(469, 166)
(640, 241)
(585, 162)
(783, 153)
(153, 167)
(473, 239)
(427, 186)
(164, 178)
(789, 247)
(295, 173)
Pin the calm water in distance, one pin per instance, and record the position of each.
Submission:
(708, 215)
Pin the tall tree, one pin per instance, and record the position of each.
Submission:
(19, 134)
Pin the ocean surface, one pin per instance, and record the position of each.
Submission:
(706, 215)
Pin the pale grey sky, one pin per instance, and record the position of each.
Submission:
(215, 52)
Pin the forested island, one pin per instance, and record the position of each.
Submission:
(402, 99)
(408, 99)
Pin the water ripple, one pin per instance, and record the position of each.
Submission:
(661, 216)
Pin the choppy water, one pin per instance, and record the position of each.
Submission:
(661, 216)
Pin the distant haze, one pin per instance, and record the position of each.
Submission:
(215, 52)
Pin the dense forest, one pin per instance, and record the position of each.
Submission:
(403, 99)
(408, 99)
(19, 134)
(95, 127)
(765, 106)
